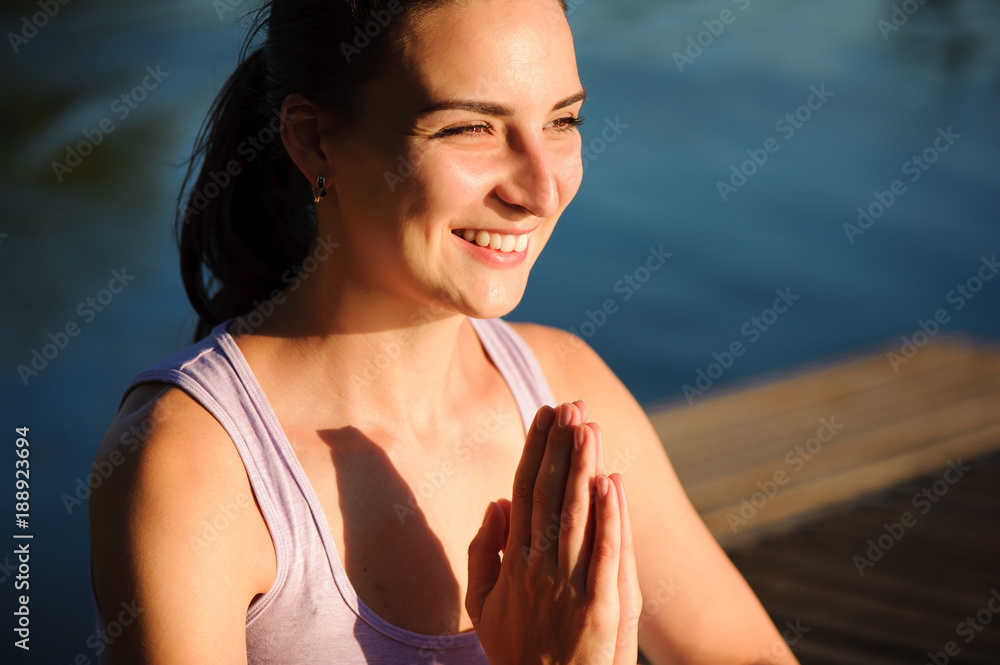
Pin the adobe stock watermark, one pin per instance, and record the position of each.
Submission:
(752, 330)
(101, 470)
(447, 637)
(665, 592)
(957, 298)
(404, 169)
(795, 460)
(786, 126)
(789, 637)
(969, 628)
(589, 152)
(914, 167)
(627, 287)
(30, 25)
(248, 149)
(463, 449)
(406, 164)
(549, 537)
(87, 310)
(121, 108)
(389, 351)
(292, 279)
(102, 638)
(596, 147)
(696, 44)
(923, 500)
(900, 14)
(210, 530)
(363, 35)
(223, 7)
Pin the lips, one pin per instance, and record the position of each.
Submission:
(486, 255)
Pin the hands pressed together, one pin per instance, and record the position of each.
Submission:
(565, 590)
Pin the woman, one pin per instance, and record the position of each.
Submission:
(377, 180)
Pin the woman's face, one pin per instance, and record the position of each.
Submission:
(474, 131)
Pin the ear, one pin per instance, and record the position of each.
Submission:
(300, 134)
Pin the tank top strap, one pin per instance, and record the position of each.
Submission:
(517, 364)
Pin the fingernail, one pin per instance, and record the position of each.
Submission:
(565, 414)
(579, 437)
(545, 417)
(602, 485)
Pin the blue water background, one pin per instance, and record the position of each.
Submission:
(654, 184)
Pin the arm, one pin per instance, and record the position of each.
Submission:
(150, 546)
(698, 608)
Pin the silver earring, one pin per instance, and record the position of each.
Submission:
(319, 191)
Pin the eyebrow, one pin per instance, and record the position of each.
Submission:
(491, 108)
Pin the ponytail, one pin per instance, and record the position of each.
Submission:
(246, 219)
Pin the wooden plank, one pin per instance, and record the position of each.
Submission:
(677, 421)
(890, 402)
(845, 452)
(943, 404)
(829, 490)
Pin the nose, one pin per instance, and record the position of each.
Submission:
(531, 182)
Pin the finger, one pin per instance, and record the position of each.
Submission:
(484, 561)
(505, 505)
(600, 450)
(582, 407)
(550, 485)
(599, 468)
(522, 493)
(602, 575)
(588, 543)
(573, 555)
(629, 594)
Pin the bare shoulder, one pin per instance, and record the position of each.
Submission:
(564, 358)
(176, 537)
(161, 435)
(575, 371)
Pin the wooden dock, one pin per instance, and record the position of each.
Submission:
(807, 481)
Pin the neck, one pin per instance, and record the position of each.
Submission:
(381, 357)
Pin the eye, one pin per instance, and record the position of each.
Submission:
(568, 123)
(476, 128)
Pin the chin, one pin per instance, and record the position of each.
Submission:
(495, 302)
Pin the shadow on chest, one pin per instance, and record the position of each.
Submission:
(402, 523)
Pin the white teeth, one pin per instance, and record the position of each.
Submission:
(496, 241)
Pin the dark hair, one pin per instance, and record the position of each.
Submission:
(247, 218)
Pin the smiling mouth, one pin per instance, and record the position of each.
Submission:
(498, 241)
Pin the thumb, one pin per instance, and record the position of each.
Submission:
(484, 560)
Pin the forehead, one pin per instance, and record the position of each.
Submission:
(519, 52)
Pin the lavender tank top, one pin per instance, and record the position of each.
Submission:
(312, 614)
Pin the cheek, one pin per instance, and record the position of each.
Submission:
(447, 183)
(370, 181)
